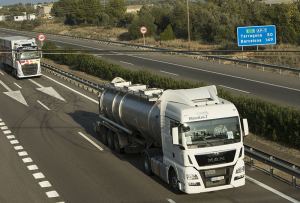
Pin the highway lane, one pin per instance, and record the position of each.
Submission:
(269, 86)
(80, 172)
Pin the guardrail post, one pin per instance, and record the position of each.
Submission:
(251, 163)
(294, 179)
(271, 167)
(280, 71)
(247, 65)
(219, 61)
(263, 68)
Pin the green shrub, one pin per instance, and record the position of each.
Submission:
(167, 34)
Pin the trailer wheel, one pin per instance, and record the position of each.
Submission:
(147, 164)
(173, 181)
(110, 139)
(117, 144)
(103, 134)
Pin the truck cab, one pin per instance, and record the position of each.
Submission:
(202, 141)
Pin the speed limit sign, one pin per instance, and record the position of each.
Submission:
(143, 30)
(41, 37)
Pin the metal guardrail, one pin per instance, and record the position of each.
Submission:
(253, 153)
(246, 62)
(273, 162)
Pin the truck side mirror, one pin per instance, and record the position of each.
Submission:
(175, 136)
(246, 127)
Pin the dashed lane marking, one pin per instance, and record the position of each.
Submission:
(171, 201)
(91, 141)
(126, 62)
(2, 124)
(234, 89)
(14, 142)
(6, 132)
(52, 194)
(1, 73)
(32, 167)
(38, 175)
(10, 137)
(27, 160)
(45, 184)
(37, 84)
(17, 85)
(43, 105)
(23, 153)
(168, 73)
(19, 147)
(4, 128)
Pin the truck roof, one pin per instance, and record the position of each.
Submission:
(12, 38)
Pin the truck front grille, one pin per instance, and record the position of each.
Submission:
(217, 177)
(29, 69)
(215, 158)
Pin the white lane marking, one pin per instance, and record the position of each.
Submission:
(168, 73)
(6, 132)
(52, 194)
(234, 89)
(10, 137)
(14, 142)
(170, 200)
(69, 88)
(38, 175)
(5, 86)
(1, 73)
(223, 74)
(32, 167)
(37, 84)
(126, 62)
(4, 128)
(23, 153)
(19, 147)
(27, 160)
(51, 92)
(43, 105)
(0, 119)
(74, 44)
(2, 123)
(44, 184)
(91, 141)
(17, 85)
(272, 190)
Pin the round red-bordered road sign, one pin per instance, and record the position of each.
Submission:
(143, 30)
(41, 37)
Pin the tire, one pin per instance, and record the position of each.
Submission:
(110, 140)
(103, 134)
(147, 164)
(173, 181)
(117, 145)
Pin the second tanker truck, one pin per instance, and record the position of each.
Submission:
(190, 138)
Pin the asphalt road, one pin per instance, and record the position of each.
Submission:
(46, 157)
(284, 90)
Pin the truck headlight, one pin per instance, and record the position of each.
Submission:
(240, 169)
(191, 177)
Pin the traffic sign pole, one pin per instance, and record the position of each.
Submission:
(144, 39)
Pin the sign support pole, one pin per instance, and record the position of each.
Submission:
(144, 39)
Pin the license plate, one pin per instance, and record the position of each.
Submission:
(210, 172)
(213, 179)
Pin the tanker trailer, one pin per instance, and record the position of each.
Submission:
(190, 138)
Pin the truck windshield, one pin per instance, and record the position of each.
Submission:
(213, 132)
(30, 55)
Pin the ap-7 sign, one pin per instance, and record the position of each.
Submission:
(256, 35)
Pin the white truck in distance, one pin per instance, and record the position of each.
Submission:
(190, 138)
(20, 56)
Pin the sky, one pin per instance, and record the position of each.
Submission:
(8, 2)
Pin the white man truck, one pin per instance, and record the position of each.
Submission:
(190, 138)
(20, 56)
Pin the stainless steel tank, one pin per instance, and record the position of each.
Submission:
(134, 112)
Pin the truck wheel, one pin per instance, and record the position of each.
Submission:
(173, 181)
(117, 144)
(103, 134)
(110, 139)
(147, 164)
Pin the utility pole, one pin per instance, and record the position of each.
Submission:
(188, 24)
